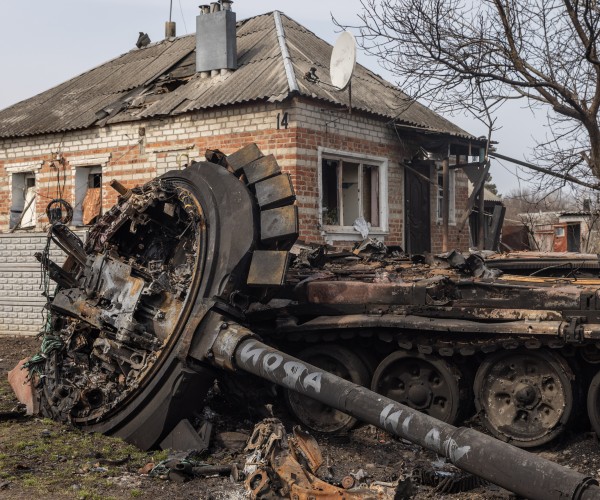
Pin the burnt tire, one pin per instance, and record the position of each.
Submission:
(593, 403)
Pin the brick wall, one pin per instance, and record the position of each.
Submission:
(136, 152)
(334, 129)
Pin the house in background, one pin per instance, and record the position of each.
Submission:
(263, 80)
(563, 231)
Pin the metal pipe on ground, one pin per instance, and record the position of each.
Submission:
(500, 463)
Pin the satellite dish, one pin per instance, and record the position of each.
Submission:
(343, 59)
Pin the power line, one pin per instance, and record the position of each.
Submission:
(182, 17)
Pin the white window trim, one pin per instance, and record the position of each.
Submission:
(23, 167)
(347, 233)
(452, 191)
(89, 160)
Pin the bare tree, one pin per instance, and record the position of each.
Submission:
(528, 201)
(474, 55)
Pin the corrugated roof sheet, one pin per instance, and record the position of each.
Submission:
(487, 194)
(160, 80)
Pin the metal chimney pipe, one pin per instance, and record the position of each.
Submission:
(216, 41)
(170, 29)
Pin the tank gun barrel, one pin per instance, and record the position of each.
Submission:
(500, 463)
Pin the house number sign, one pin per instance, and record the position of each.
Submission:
(282, 120)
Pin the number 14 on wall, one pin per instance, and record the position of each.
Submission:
(282, 120)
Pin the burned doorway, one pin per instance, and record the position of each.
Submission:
(574, 237)
(417, 207)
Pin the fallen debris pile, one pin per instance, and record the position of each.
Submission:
(282, 466)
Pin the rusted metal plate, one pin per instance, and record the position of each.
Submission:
(279, 223)
(260, 169)
(267, 268)
(244, 156)
(18, 378)
(357, 292)
(91, 205)
(275, 192)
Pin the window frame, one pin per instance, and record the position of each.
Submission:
(439, 193)
(347, 233)
(24, 168)
(26, 205)
(81, 183)
(88, 162)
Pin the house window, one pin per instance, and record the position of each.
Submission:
(440, 194)
(88, 195)
(22, 208)
(559, 232)
(351, 188)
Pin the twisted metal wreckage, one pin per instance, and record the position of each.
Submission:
(189, 275)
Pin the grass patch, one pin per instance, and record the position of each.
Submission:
(44, 458)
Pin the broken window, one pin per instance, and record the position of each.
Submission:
(451, 191)
(88, 195)
(22, 209)
(350, 189)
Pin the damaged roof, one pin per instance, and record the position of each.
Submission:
(160, 80)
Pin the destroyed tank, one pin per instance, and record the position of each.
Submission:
(196, 273)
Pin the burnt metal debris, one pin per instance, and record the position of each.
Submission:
(193, 275)
(282, 466)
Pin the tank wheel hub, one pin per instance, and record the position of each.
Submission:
(419, 395)
(526, 394)
(525, 397)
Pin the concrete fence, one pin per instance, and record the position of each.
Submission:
(21, 299)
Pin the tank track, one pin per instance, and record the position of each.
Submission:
(466, 354)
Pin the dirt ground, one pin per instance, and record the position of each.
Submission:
(39, 457)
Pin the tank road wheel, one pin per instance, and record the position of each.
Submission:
(524, 397)
(341, 362)
(593, 403)
(423, 382)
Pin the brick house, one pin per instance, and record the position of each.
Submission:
(262, 80)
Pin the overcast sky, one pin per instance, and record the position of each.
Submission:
(44, 43)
